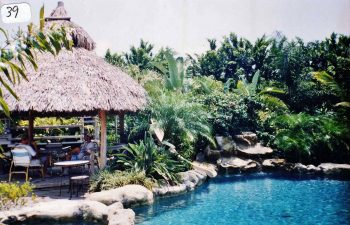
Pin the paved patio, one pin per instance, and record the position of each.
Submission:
(49, 186)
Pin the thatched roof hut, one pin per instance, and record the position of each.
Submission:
(76, 82)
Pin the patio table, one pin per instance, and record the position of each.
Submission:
(70, 164)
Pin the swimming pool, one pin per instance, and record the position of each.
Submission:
(254, 199)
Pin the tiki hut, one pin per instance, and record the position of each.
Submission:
(75, 83)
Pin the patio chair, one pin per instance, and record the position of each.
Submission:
(21, 158)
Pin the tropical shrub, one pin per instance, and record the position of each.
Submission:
(182, 120)
(228, 114)
(156, 162)
(12, 194)
(307, 138)
(105, 180)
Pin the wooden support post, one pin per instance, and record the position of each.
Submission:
(116, 125)
(121, 128)
(103, 138)
(31, 127)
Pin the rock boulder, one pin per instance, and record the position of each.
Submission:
(117, 215)
(273, 163)
(212, 155)
(209, 169)
(190, 180)
(237, 164)
(335, 169)
(127, 195)
(247, 138)
(254, 151)
(70, 210)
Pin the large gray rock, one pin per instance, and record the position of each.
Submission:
(301, 168)
(212, 155)
(312, 169)
(335, 169)
(237, 164)
(226, 145)
(127, 195)
(273, 163)
(209, 169)
(59, 209)
(119, 216)
(247, 138)
(190, 180)
(254, 151)
(70, 210)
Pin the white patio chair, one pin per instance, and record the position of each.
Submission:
(21, 158)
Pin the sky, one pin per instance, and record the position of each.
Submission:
(185, 25)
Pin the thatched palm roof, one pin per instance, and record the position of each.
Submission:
(77, 81)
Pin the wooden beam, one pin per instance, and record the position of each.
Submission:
(31, 127)
(103, 138)
(121, 128)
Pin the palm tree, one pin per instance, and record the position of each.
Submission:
(140, 56)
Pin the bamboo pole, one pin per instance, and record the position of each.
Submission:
(103, 138)
(31, 127)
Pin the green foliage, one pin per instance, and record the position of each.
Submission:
(140, 56)
(328, 80)
(229, 115)
(288, 62)
(105, 180)
(45, 121)
(265, 96)
(156, 162)
(308, 138)
(175, 74)
(239, 85)
(182, 120)
(12, 194)
(115, 59)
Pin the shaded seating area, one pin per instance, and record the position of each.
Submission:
(75, 83)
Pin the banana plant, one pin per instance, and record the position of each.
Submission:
(250, 90)
(174, 75)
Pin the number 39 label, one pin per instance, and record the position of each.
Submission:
(15, 13)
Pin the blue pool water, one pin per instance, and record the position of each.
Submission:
(254, 199)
